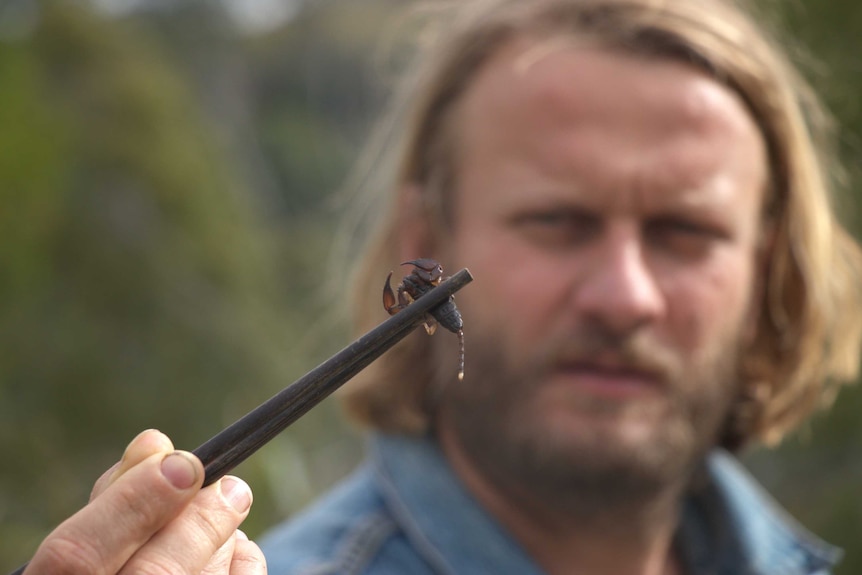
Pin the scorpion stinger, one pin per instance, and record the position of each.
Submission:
(426, 275)
(461, 356)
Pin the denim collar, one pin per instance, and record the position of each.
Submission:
(729, 525)
(443, 522)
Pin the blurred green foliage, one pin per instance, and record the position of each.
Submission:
(142, 283)
(166, 215)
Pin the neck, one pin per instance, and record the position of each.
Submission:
(632, 538)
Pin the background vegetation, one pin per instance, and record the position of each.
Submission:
(166, 213)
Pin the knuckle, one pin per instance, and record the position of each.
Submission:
(65, 555)
(251, 562)
(137, 509)
(214, 517)
(147, 511)
(216, 525)
(153, 565)
(248, 558)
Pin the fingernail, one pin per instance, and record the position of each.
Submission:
(240, 534)
(155, 436)
(145, 432)
(179, 470)
(132, 442)
(237, 492)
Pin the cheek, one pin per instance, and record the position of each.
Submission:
(514, 290)
(709, 305)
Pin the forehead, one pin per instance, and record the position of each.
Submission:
(552, 70)
(563, 102)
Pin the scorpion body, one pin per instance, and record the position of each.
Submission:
(427, 274)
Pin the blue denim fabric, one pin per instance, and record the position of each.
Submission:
(404, 512)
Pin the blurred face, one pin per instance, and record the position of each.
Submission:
(609, 209)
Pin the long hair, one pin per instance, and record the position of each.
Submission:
(808, 334)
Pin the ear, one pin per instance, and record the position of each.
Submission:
(415, 236)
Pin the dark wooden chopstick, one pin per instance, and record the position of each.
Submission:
(237, 442)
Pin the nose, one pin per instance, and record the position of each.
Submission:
(619, 289)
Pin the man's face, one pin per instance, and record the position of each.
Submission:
(609, 209)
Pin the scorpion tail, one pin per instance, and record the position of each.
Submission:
(461, 362)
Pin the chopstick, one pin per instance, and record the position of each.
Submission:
(241, 439)
(237, 442)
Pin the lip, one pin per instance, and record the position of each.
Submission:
(608, 380)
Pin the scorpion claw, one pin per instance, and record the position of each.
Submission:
(389, 301)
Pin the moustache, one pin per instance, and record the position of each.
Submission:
(596, 347)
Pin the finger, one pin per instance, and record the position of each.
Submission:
(147, 443)
(101, 537)
(248, 559)
(104, 480)
(188, 543)
(219, 564)
(238, 556)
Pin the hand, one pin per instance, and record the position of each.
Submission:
(148, 515)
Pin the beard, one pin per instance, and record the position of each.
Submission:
(582, 453)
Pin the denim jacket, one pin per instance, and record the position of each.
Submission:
(404, 512)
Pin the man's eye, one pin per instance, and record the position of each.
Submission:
(683, 236)
(569, 218)
(557, 227)
(551, 219)
(680, 226)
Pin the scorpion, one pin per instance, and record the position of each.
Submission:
(426, 275)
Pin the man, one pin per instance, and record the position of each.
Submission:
(659, 281)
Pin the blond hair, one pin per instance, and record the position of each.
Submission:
(808, 334)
